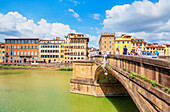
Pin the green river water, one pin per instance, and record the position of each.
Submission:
(48, 91)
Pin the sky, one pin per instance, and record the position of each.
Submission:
(47, 19)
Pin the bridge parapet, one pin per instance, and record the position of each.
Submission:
(153, 69)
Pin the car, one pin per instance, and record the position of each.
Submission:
(149, 55)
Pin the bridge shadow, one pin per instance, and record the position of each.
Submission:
(123, 103)
(115, 93)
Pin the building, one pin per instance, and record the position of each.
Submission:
(135, 42)
(91, 49)
(106, 43)
(2, 52)
(50, 50)
(166, 49)
(93, 52)
(120, 43)
(22, 50)
(152, 47)
(78, 47)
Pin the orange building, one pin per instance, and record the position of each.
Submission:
(22, 50)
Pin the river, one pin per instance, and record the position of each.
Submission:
(48, 91)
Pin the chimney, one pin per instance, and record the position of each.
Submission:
(57, 38)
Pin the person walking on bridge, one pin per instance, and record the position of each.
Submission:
(138, 50)
(125, 50)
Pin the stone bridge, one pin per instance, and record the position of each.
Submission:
(145, 80)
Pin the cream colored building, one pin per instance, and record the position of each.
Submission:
(135, 42)
(50, 50)
(166, 49)
(106, 43)
(78, 47)
(2, 52)
(153, 47)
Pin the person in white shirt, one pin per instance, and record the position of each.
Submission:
(117, 51)
(138, 50)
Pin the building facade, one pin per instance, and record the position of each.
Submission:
(121, 42)
(135, 42)
(50, 50)
(166, 49)
(22, 50)
(153, 47)
(2, 52)
(106, 43)
(78, 47)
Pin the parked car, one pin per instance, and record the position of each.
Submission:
(149, 55)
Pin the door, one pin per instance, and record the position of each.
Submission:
(25, 60)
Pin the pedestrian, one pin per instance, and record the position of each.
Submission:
(157, 53)
(117, 51)
(125, 50)
(138, 50)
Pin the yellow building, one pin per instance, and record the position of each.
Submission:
(120, 42)
(135, 42)
(106, 43)
(2, 52)
(153, 47)
(166, 49)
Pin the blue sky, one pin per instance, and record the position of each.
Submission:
(49, 18)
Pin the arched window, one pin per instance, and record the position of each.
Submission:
(21, 53)
(32, 53)
(25, 53)
(28, 47)
(25, 47)
(32, 47)
(18, 53)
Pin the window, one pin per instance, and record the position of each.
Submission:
(32, 47)
(82, 46)
(127, 42)
(71, 41)
(21, 47)
(36, 41)
(18, 53)
(62, 56)
(15, 53)
(110, 46)
(32, 53)
(12, 41)
(18, 47)
(33, 41)
(105, 42)
(28, 47)
(36, 53)
(36, 47)
(19, 41)
(123, 42)
(118, 42)
(26, 41)
(128, 46)
(22, 41)
(25, 53)
(6, 47)
(104, 46)
(82, 53)
(7, 41)
(75, 41)
(21, 53)
(82, 41)
(28, 53)
(110, 42)
(25, 47)
(14, 47)
(118, 46)
(29, 41)
(15, 42)
(75, 53)
(75, 47)
(140, 44)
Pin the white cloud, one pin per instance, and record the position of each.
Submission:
(61, 0)
(93, 40)
(14, 24)
(96, 16)
(76, 15)
(142, 18)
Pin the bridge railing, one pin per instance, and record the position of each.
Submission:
(153, 69)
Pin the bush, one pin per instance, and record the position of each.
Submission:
(65, 69)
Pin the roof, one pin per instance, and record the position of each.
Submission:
(167, 44)
(51, 40)
(155, 46)
(95, 50)
(21, 38)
